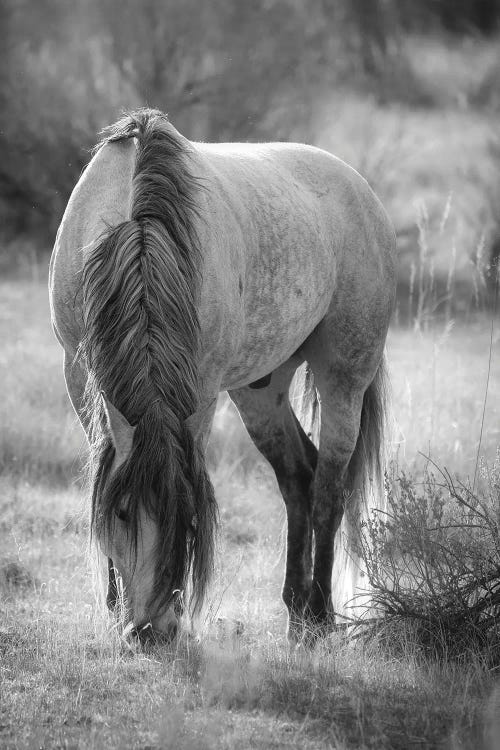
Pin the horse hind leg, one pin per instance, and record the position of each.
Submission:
(343, 384)
(331, 493)
(276, 432)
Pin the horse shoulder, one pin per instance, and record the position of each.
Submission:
(100, 200)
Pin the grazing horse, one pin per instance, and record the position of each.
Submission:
(182, 269)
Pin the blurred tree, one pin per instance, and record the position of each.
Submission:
(222, 70)
(231, 59)
(159, 46)
(68, 70)
(56, 90)
(374, 21)
(456, 16)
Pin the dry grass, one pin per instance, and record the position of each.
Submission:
(66, 678)
(38, 439)
(439, 382)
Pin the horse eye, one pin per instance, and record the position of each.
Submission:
(122, 515)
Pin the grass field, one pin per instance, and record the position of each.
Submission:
(68, 681)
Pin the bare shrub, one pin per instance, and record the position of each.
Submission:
(433, 560)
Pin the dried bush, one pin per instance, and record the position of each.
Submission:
(433, 561)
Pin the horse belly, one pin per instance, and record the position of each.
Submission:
(275, 253)
(281, 310)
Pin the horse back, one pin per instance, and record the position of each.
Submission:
(293, 230)
(278, 225)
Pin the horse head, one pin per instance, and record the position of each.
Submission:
(151, 538)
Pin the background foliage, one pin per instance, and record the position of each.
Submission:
(409, 94)
(224, 70)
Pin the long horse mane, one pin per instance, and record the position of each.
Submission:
(140, 287)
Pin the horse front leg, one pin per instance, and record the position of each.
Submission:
(277, 434)
(295, 479)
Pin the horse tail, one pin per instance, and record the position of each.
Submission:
(364, 492)
(305, 400)
(365, 474)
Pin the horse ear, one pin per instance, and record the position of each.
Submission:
(121, 432)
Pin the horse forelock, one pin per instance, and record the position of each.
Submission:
(140, 288)
(170, 480)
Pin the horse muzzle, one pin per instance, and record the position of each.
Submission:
(147, 635)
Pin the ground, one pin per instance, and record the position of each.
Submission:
(66, 678)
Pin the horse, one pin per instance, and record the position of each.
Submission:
(184, 269)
